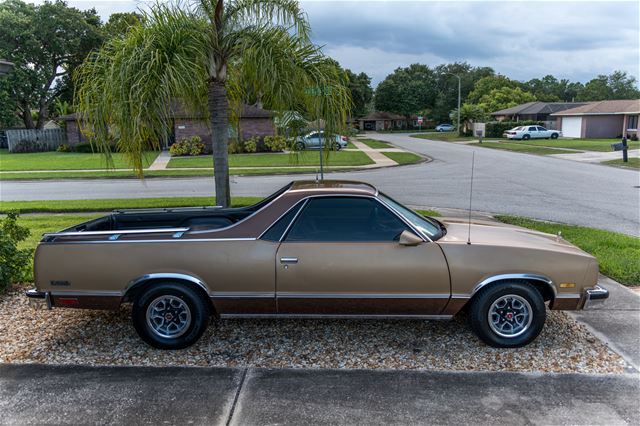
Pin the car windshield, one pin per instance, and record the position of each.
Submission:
(426, 225)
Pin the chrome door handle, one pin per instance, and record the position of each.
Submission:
(288, 260)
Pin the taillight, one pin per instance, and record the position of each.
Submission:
(344, 138)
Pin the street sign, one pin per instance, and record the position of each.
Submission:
(420, 120)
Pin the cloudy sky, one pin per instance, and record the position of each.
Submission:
(520, 39)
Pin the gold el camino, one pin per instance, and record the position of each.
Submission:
(329, 249)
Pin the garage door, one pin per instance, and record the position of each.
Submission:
(572, 127)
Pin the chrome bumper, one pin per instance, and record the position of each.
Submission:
(39, 299)
(594, 296)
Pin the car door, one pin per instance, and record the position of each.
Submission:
(533, 132)
(543, 133)
(313, 140)
(341, 256)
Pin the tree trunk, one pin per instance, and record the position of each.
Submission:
(219, 112)
(26, 117)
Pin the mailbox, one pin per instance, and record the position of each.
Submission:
(617, 146)
(479, 129)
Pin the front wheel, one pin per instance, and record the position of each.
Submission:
(554, 136)
(510, 315)
(170, 315)
(300, 146)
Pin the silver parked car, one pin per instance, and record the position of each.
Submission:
(445, 128)
(314, 140)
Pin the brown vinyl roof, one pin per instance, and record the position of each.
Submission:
(539, 108)
(334, 186)
(623, 106)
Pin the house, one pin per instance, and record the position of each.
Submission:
(535, 111)
(603, 119)
(382, 120)
(253, 121)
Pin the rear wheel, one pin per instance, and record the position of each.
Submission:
(336, 146)
(509, 315)
(526, 137)
(170, 315)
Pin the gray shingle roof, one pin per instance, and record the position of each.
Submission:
(539, 108)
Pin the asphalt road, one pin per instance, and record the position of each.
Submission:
(505, 182)
(38, 394)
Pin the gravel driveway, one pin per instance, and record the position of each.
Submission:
(68, 336)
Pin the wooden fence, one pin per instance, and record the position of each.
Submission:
(52, 138)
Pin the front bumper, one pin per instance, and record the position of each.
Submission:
(39, 299)
(594, 296)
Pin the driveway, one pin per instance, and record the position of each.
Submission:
(505, 182)
(37, 394)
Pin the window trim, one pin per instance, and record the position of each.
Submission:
(393, 211)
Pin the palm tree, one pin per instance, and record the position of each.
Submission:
(211, 55)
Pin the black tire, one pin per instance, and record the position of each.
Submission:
(554, 136)
(336, 146)
(483, 303)
(197, 311)
(300, 146)
(526, 137)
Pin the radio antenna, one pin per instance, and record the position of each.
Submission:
(473, 162)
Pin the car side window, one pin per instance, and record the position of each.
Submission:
(274, 233)
(345, 219)
(541, 129)
(532, 129)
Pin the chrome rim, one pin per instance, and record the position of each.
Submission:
(168, 317)
(510, 316)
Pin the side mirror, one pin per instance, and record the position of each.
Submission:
(408, 238)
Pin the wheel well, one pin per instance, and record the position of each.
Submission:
(545, 289)
(133, 292)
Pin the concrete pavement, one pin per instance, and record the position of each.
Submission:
(505, 182)
(37, 394)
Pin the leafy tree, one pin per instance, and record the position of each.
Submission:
(547, 89)
(485, 85)
(8, 107)
(206, 55)
(119, 24)
(44, 42)
(447, 84)
(469, 113)
(407, 90)
(618, 85)
(504, 97)
(361, 92)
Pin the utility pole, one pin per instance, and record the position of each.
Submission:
(459, 84)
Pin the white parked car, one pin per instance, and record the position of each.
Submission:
(531, 132)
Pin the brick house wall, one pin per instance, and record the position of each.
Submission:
(249, 127)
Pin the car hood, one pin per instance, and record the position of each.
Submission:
(499, 234)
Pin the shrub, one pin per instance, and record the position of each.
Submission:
(25, 146)
(495, 129)
(235, 147)
(64, 148)
(85, 148)
(15, 263)
(192, 146)
(275, 143)
(251, 145)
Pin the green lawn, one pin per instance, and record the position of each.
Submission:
(633, 163)
(602, 145)
(375, 144)
(63, 161)
(529, 149)
(403, 157)
(617, 254)
(61, 206)
(304, 158)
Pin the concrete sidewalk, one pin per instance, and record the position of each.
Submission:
(617, 321)
(36, 394)
(596, 156)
